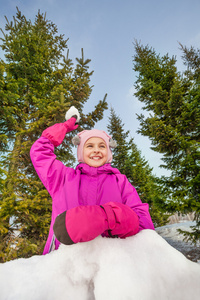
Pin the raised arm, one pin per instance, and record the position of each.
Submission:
(48, 168)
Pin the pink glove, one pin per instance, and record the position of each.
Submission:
(123, 221)
(84, 223)
(56, 133)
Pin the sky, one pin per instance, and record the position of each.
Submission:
(106, 31)
(143, 266)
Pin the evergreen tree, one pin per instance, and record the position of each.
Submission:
(38, 84)
(149, 187)
(128, 159)
(116, 129)
(173, 124)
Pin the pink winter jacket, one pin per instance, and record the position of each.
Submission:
(84, 185)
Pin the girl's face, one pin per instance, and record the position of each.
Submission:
(95, 152)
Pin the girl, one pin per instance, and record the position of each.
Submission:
(92, 199)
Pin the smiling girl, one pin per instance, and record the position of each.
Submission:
(94, 198)
(95, 152)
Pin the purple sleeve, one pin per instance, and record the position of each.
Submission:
(131, 198)
(50, 170)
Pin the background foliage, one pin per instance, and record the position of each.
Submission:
(128, 159)
(172, 100)
(38, 84)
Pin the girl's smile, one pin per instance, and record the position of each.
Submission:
(95, 152)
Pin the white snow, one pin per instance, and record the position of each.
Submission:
(73, 111)
(170, 231)
(142, 267)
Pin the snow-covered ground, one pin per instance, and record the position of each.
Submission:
(175, 239)
(142, 267)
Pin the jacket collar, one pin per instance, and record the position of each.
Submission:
(86, 169)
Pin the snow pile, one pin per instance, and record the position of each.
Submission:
(142, 267)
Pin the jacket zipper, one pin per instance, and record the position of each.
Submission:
(52, 245)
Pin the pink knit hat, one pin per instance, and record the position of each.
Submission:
(84, 135)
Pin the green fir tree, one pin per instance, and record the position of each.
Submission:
(128, 159)
(38, 84)
(172, 99)
(148, 186)
(116, 129)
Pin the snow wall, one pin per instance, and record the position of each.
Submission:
(142, 267)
